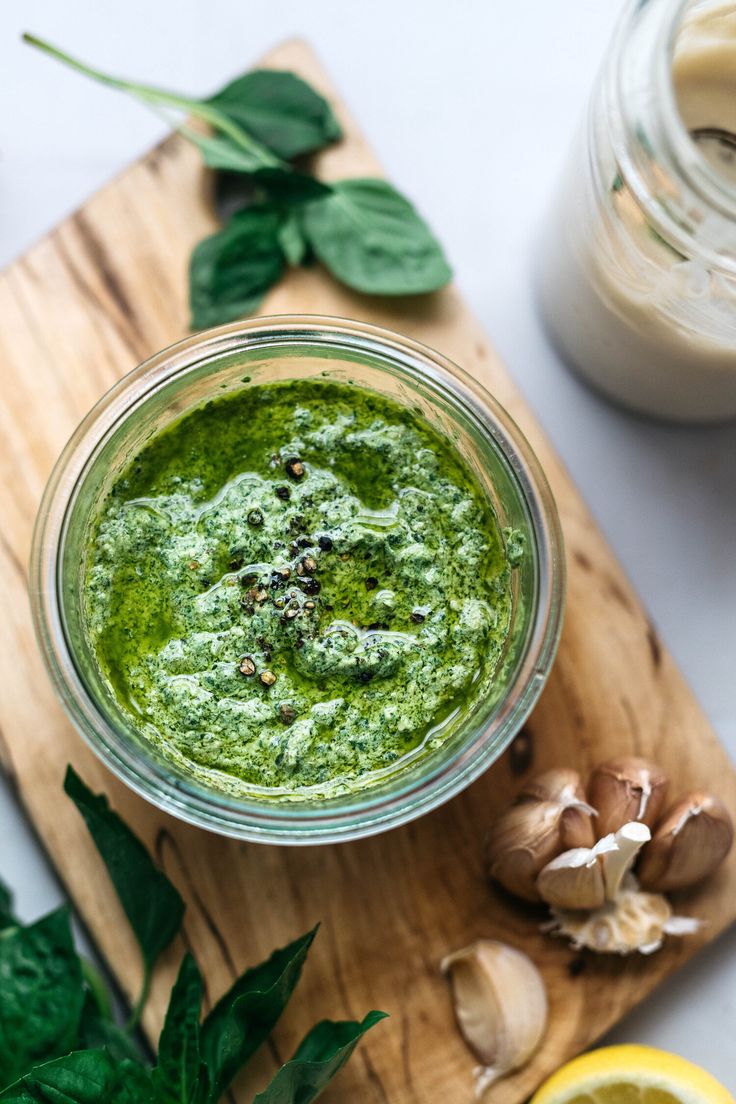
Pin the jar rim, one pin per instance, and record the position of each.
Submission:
(274, 821)
(680, 152)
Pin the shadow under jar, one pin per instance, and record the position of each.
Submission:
(222, 365)
(637, 264)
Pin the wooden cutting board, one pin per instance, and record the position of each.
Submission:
(100, 293)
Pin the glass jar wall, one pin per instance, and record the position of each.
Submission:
(637, 279)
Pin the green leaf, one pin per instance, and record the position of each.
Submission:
(97, 1031)
(246, 1015)
(82, 1077)
(220, 152)
(179, 1075)
(290, 189)
(321, 1054)
(41, 993)
(162, 98)
(372, 239)
(269, 187)
(281, 110)
(292, 240)
(7, 916)
(151, 903)
(230, 272)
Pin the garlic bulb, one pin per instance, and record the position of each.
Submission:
(500, 1005)
(693, 839)
(524, 839)
(627, 789)
(635, 921)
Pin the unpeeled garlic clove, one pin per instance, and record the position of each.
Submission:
(563, 786)
(574, 880)
(500, 1004)
(559, 784)
(523, 840)
(693, 839)
(626, 789)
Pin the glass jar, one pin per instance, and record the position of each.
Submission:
(226, 360)
(637, 269)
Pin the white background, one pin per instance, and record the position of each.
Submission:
(470, 106)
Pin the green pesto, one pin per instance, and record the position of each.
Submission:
(373, 584)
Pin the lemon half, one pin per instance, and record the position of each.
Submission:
(632, 1075)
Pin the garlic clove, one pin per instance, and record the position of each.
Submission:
(626, 789)
(635, 922)
(500, 1004)
(560, 784)
(694, 838)
(576, 826)
(574, 880)
(522, 841)
(619, 859)
(563, 787)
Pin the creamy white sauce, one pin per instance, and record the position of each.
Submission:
(650, 329)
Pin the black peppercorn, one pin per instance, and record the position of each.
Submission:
(309, 585)
(326, 544)
(371, 583)
(283, 493)
(417, 616)
(294, 467)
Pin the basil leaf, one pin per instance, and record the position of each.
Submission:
(7, 916)
(281, 110)
(98, 1032)
(245, 1016)
(42, 993)
(161, 98)
(290, 189)
(179, 1075)
(152, 905)
(231, 271)
(321, 1054)
(372, 239)
(291, 239)
(82, 1077)
(220, 152)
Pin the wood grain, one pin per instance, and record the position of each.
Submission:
(100, 293)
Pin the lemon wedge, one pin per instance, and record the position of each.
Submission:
(632, 1075)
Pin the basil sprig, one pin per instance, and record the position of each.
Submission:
(60, 1042)
(262, 125)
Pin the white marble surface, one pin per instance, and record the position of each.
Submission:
(470, 106)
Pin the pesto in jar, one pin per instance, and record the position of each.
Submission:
(297, 585)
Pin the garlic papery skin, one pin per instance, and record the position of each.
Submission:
(524, 839)
(559, 784)
(619, 859)
(694, 838)
(635, 922)
(627, 789)
(574, 880)
(500, 1004)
